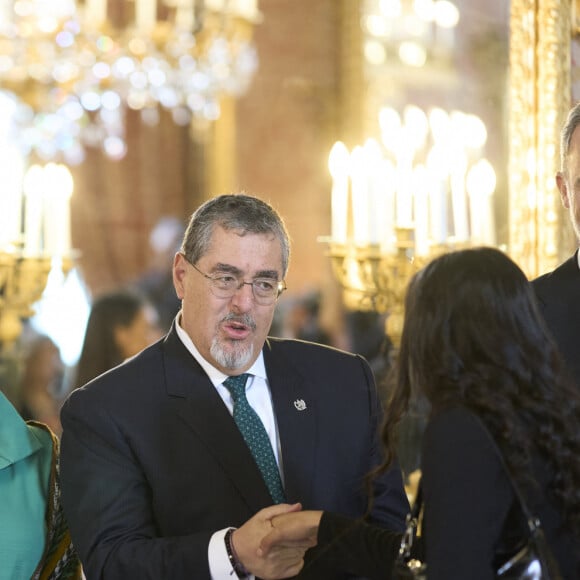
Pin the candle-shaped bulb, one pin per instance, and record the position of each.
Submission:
(390, 124)
(481, 179)
(59, 188)
(359, 171)
(417, 125)
(338, 165)
(338, 160)
(33, 187)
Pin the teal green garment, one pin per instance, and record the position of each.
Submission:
(25, 460)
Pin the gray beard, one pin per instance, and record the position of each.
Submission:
(234, 358)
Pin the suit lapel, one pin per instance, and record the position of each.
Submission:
(197, 405)
(295, 410)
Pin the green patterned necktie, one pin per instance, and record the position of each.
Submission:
(255, 436)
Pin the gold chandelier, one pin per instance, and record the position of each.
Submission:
(72, 69)
(426, 188)
(34, 236)
(420, 185)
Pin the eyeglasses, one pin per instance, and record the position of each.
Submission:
(265, 290)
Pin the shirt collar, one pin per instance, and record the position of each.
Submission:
(257, 369)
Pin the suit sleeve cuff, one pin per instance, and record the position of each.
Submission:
(219, 563)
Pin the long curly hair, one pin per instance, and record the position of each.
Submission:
(473, 336)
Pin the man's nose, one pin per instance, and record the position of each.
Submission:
(243, 297)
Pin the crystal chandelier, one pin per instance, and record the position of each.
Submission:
(71, 70)
(69, 73)
(413, 33)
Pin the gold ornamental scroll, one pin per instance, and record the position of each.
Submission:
(540, 96)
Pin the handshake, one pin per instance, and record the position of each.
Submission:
(273, 542)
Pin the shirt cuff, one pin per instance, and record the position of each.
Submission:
(219, 563)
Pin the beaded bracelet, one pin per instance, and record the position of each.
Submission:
(238, 567)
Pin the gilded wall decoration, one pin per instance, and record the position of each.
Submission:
(540, 96)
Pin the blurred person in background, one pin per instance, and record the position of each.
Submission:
(121, 323)
(42, 389)
(302, 319)
(157, 281)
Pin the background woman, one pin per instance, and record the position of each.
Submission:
(120, 324)
(42, 384)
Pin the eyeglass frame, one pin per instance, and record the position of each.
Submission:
(281, 284)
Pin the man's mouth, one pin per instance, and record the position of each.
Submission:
(236, 329)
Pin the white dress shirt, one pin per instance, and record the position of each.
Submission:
(260, 399)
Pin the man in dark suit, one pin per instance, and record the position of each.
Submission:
(558, 291)
(156, 472)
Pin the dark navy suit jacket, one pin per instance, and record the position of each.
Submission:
(152, 463)
(558, 293)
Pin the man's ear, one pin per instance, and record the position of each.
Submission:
(563, 187)
(179, 271)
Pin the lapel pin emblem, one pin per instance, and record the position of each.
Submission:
(300, 404)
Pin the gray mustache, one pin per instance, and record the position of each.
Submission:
(245, 319)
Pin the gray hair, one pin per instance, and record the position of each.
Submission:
(572, 121)
(233, 212)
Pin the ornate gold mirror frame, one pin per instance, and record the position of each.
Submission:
(541, 34)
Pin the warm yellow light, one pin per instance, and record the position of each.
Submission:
(372, 152)
(58, 180)
(338, 160)
(412, 53)
(469, 130)
(391, 8)
(420, 178)
(357, 160)
(481, 179)
(375, 53)
(359, 173)
(440, 124)
(475, 134)
(33, 180)
(438, 162)
(424, 9)
(376, 25)
(457, 159)
(416, 124)
(339, 167)
(390, 124)
(446, 14)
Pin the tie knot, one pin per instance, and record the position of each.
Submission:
(236, 385)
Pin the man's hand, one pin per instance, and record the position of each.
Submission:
(291, 529)
(281, 560)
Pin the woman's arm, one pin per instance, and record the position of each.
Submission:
(356, 547)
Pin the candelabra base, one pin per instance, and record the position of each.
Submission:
(22, 282)
(374, 279)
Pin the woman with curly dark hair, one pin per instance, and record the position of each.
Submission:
(475, 347)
